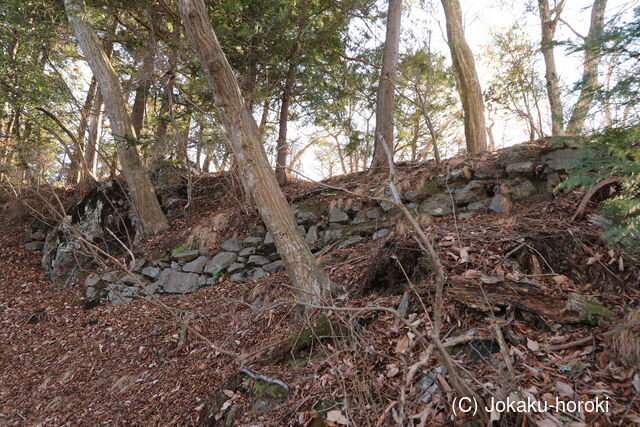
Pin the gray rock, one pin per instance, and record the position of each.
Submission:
(350, 242)
(411, 205)
(373, 213)
(247, 251)
(338, 216)
(207, 252)
(34, 246)
(175, 265)
(163, 264)
(248, 275)
(411, 196)
(220, 262)
(235, 267)
(517, 189)
(257, 260)
(197, 265)
(386, 206)
(380, 233)
(553, 180)
(359, 218)
(175, 282)
(241, 260)
(438, 205)
(274, 266)
(253, 241)
(355, 207)
(132, 279)
(521, 169)
(137, 265)
(232, 245)
(37, 236)
(306, 218)
(465, 215)
(312, 234)
(212, 281)
(488, 172)
(480, 204)
(518, 153)
(555, 160)
(151, 272)
(499, 203)
(268, 239)
(333, 234)
(461, 174)
(202, 280)
(186, 256)
(471, 192)
(274, 256)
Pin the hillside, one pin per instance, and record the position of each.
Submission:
(133, 346)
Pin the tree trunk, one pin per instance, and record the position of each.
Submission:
(143, 197)
(95, 128)
(592, 54)
(76, 168)
(283, 147)
(548, 25)
(468, 84)
(386, 87)
(143, 79)
(311, 283)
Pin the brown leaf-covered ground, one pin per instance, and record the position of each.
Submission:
(123, 365)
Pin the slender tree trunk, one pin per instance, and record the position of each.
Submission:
(592, 54)
(143, 79)
(309, 280)
(144, 200)
(386, 89)
(548, 24)
(468, 84)
(95, 128)
(76, 172)
(282, 146)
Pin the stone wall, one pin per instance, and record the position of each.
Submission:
(514, 175)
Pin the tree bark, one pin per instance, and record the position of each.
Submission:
(145, 203)
(469, 89)
(95, 128)
(310, 281)
(592, 54)
(282, 146)
(76, 169)
(386, 90)
(548, 23)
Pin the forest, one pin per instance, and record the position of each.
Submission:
(320, 212)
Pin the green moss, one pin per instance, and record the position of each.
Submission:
(181, 248)
(429, 188)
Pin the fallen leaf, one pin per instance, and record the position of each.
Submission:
(564, 389)
(532, 345)
(392, 370)
(336, 416)
(560, 279)
(403, 345)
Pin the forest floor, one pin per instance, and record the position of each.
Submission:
(131, 365)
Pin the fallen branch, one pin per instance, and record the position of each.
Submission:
(587, 197)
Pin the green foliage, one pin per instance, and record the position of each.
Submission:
(180, 248)
(615, 152)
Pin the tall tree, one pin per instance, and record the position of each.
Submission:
(144, 200)
(310, 281)
(467, 78)
(386, 90)
(549, 18)
(592, 53)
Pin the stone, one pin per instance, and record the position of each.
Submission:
(268, 239)
(131, 279)
(196, 266)
(553, 180)
(387, 207)
(411, 205)
(175, 282)
(438, 205)
(248, 275)
(499, 203)
(521, 169)
(235, 267)
(151, 272)
(359, 218)
(350, 242)
(381, 233)
(248, 251)
(186, 256)
(232, 245)
(106, 207)
(555, 160)
(202, 280)
(34, 246)
(462, 174)
(373, 213)
(312, 234)
(411, 196)
(332, 234)
(302, 230)
(480, 204)
(273, 257)
(163, 264)
(257, 260)
(465, 215)
(37, 236)
(252, 241)
(355, 207)
(306, 218)
(175, 265)
(518, 153)
(137, 265)
(517, 189)
(275, 266)
(241, 260)
(208, 252)
(473, 191)
(488, 172)
(220, 262)
(338, 216)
